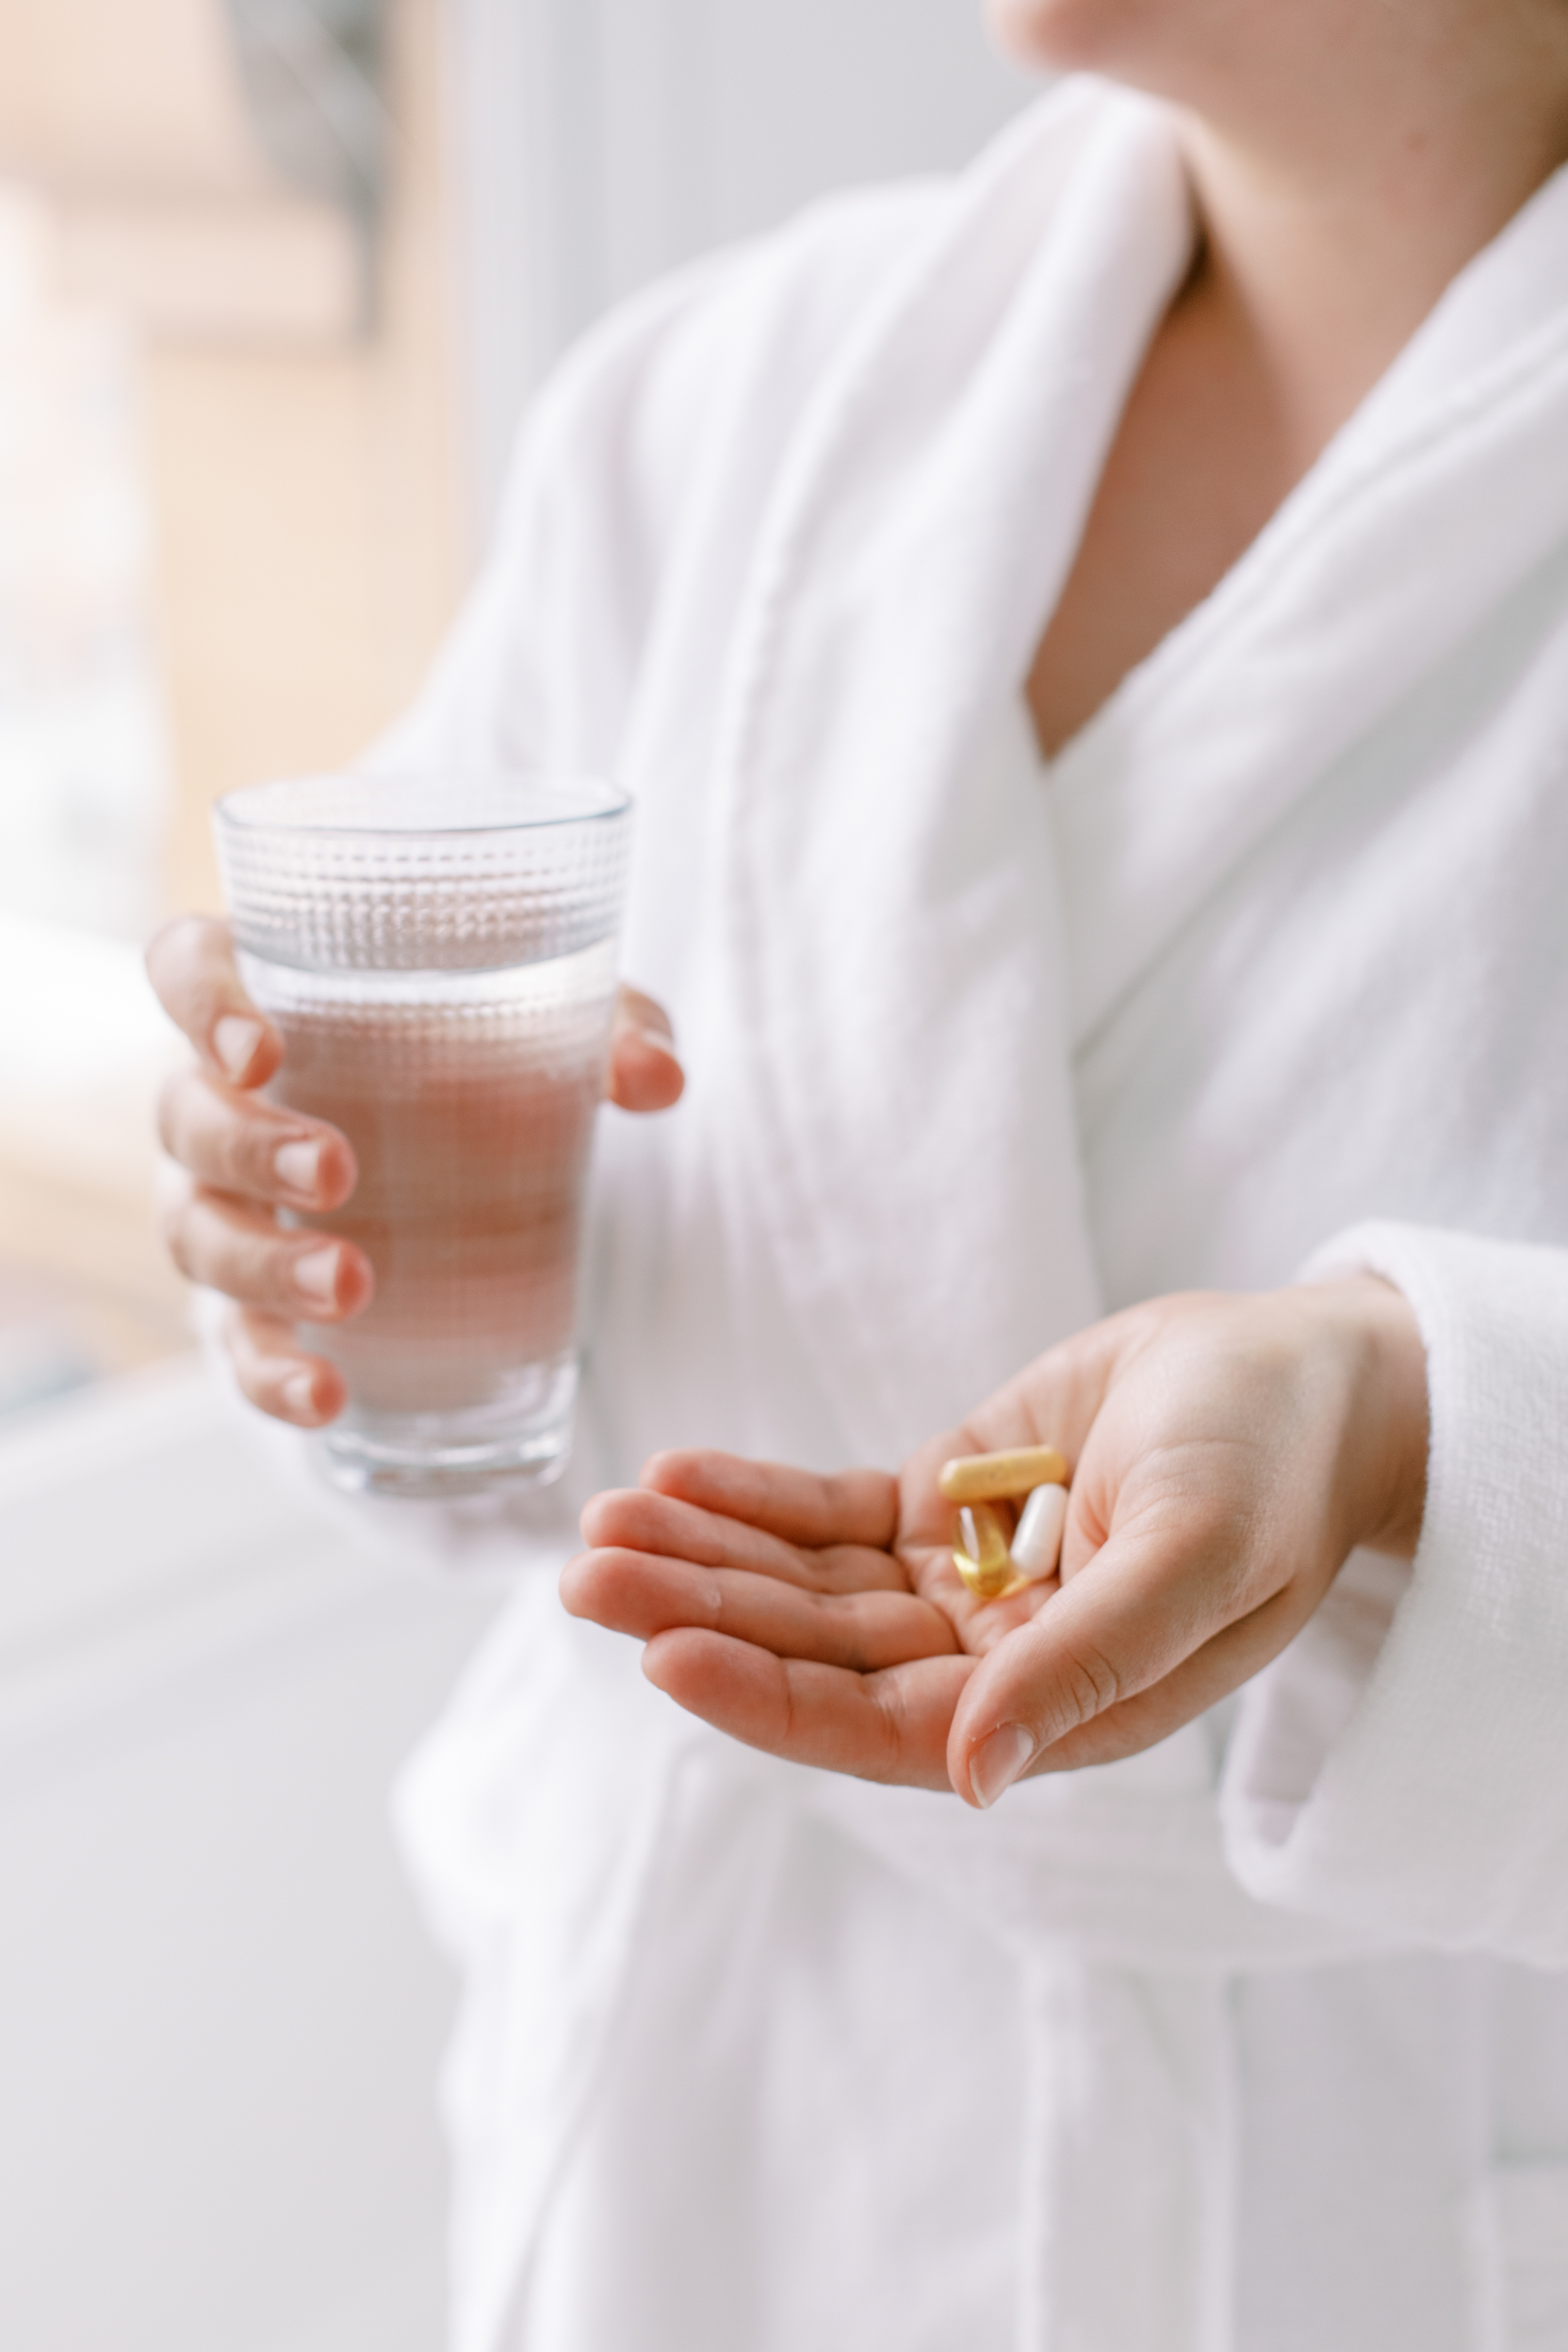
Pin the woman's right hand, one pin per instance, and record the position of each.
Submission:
(239, 1159)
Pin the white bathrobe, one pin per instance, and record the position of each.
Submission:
(1259, 2042)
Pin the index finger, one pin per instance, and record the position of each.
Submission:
(800, 1507)
(641, 1520)
(191, 968)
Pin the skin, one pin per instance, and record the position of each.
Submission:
(1347, 157)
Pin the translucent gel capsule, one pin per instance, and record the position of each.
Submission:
(980, 1550)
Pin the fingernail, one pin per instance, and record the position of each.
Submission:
(316, 1277)
(998, 1761)
(298, 1166)
(300, 1395)
(235, 1041)
(658, 1040)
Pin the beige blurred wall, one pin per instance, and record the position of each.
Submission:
(305, 488)
(304, 473)
(307, 509)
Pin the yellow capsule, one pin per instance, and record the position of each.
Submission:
(988, 1477)
(980, 1552)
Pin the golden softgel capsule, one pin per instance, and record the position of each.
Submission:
(995, 1477)
(980, 1552)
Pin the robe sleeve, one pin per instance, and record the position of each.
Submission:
(690, 391)
(540, 668)
(1404, 1765)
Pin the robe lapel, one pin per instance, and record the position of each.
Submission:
(895, 928)
(1449, 487)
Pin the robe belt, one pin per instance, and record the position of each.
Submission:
(1114, 1901)
(1093, 1867)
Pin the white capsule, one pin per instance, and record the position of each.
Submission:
(1036, 1545)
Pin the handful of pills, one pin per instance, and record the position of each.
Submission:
(992, 1563)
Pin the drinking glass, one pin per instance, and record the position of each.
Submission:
(439, 956)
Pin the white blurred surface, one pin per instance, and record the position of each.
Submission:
(82, 1016)
(85, 1286)
(219, 2020)
(83, 777)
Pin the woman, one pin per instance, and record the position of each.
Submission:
(1225, 402)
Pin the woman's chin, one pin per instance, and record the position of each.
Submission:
(1064, 36)
(1144, 42)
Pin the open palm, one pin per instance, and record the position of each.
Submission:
(820, 1618)
(1229, 1453)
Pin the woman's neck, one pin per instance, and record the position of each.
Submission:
(1318, 260)
(1330, 232)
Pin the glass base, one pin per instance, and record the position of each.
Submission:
(437, 1456)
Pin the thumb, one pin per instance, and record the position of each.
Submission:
(1053, 1401)
(1130, 1618)
(644, 1071)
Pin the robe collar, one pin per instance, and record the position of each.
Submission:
(1448, 486)
(906, 983)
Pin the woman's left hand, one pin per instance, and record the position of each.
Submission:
(1228, 1453)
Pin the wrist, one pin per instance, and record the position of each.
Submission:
(1387, 1421)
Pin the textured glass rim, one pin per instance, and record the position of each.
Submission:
(228, 813)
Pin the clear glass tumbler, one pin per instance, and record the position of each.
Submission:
(439, 956)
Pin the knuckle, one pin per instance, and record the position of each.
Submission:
(238, 1151)
(222, 1254)
(1091, 1680)
(167, 1114)
(636, 1010)
(227, 1169)
(249, 1370)
(789, 1714)
(171, 1190)
(843, 1635)
(247, 1343)
(263, 1270)
(891, 1722)
(182, 1114)
(175, 1229)
(176, 958)
(169, 946)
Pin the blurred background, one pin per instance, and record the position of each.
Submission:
(276, 279)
